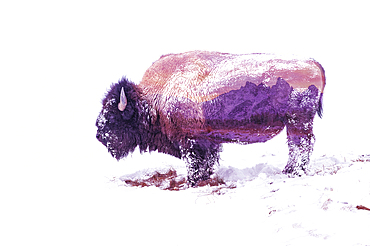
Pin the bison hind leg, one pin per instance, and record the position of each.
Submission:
(201, 155)
(300, 131)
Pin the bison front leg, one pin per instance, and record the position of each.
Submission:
(201, 155)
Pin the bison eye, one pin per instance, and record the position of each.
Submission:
(128, 112)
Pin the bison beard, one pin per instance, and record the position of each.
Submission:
(250, 114)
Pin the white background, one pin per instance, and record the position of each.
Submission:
(57, 59)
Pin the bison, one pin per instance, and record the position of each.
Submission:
(188, 104)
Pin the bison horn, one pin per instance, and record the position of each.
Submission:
(123, 100)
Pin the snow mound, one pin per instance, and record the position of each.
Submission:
(235, 174)
(165, 179)
(169, 177)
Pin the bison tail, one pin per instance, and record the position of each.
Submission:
(319, 107)
(323, 79)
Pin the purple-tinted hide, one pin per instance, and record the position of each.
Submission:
(188, 104)
(248, 115)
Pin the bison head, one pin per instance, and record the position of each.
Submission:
(119, 121)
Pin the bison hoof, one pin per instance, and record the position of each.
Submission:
(294, 172)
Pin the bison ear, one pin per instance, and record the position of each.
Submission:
(122, 101)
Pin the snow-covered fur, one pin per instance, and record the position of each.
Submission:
(302, 109)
